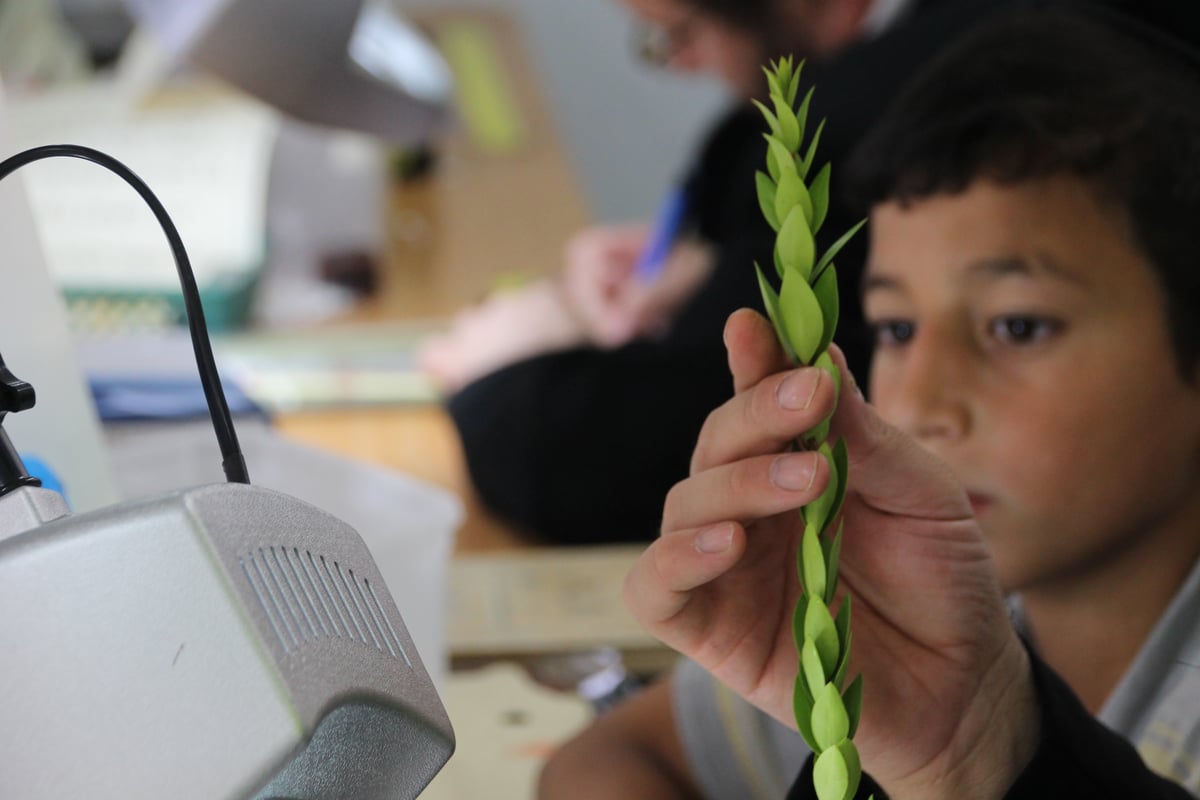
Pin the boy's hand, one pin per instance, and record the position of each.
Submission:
(949, 708)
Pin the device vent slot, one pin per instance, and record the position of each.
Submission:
(306, 596)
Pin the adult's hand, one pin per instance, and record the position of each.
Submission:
(948, 708)
(610, 301)
(507, 327)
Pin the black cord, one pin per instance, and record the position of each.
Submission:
(232, 461)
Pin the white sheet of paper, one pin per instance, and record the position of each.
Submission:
(205, 154)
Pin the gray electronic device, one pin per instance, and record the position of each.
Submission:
(218, 642)
(224, 641)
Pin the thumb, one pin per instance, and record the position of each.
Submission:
(891, 471)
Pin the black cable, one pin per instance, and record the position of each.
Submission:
(15, 395)
(232, 461)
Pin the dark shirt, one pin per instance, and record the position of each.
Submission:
(1077, 757)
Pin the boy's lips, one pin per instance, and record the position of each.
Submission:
(979, 502)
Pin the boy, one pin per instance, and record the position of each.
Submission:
(1033, 288)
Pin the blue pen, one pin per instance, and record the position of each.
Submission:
(666, 227)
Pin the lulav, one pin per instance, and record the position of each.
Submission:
(805, 315)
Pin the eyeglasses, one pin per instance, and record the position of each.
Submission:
(659, 45)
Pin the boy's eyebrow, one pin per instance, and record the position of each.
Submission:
(990, 267)
(873, 280)
(1041, 263)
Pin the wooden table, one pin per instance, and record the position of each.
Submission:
(478, 217)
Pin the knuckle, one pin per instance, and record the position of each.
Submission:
(742, 480)
(702, 453)
(760, 412)
(674, 502)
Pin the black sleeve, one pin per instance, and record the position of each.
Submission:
(1080, 757)
(1077, 757)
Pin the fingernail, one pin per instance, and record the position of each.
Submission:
(716, 539)
(797, 391)
(794, 472)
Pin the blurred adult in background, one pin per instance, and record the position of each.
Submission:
(614, 373)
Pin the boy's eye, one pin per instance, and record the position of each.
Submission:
(1022, 330)
(892, 332)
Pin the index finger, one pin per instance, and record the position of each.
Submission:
(765, 418)
(753, 348)
(661, 586)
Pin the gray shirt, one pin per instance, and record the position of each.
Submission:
(736, 751)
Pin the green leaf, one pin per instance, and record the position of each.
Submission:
(817, 512)
(798, 624)
(766, 198)
(772, 120)
(811, 155)
(802, 112)
(792, 193)
(796, 247)
(839, 676)
(812, 561)
(783, 68)
(794, 84)
(771, 303)
(802, 708)
(853, 764)
(826, 290)
(825, 362)
(783, 157)
(830, 724)
(810, 665)
(789, 127)
(818, 434)
(819, 627)
(818, 190)
(842, 623)
(837, 772)
(841, 466)
(852, 700)
(832, 556)
(801, 314)
(773, 86)
(836, 247)
(774, 167)
(831, 776)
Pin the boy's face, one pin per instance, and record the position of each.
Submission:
(1022, 338)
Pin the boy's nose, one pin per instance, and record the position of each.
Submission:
(928, 393)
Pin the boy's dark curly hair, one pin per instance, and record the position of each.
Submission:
(1045, 92)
